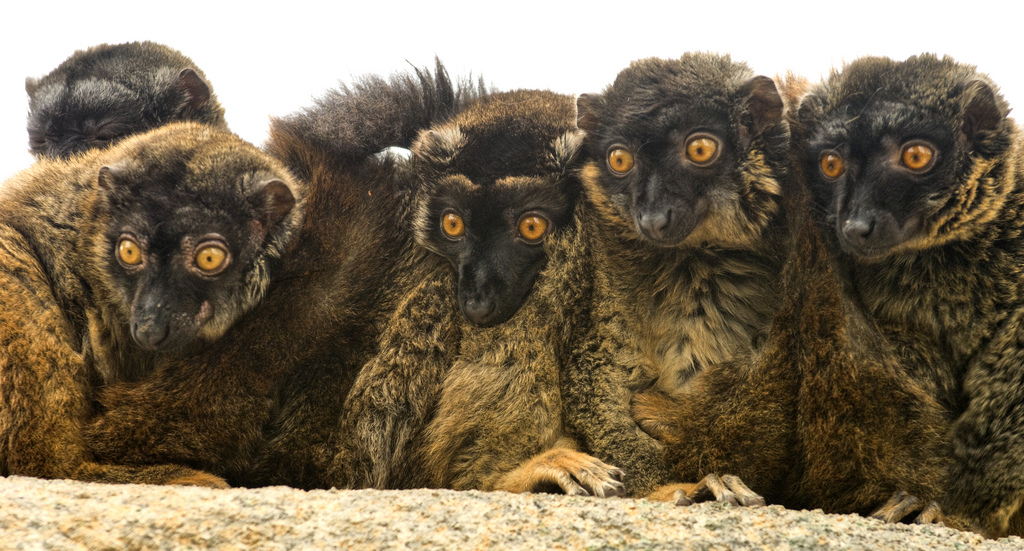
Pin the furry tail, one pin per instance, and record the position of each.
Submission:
(376, 113)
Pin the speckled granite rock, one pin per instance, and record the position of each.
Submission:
(43, 514)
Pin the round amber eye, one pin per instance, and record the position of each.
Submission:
(620, 161)
(452, 225)
(532, 227)
(832, 165)
(129, 252)
(917, 156)
(701, 149)
(211, 258)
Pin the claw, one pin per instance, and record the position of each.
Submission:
(681, 499)
(745, 495)
(611, 489)
(901, 505)
(569, 485)
(724, 489)
(932, 514)
(712, 487)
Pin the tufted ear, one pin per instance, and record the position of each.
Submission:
(107, 178)
(565, 148)
(763, 107)
(587, 106)
(115, 183)
(982, 113)
(805, 113)
(31, 85)
(439, 147)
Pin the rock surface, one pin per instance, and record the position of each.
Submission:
(38, 514)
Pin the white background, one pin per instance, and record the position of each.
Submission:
(271, 58)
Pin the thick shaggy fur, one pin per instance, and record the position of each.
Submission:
(348, 128)
(103, 94)
(822, 414)
(72, 312)
(263, 406)
(705, 294)
(941, 267)
(473, 400)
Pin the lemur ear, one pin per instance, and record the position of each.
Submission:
(31, 85)
(194, 89)
(586, 111)
(565, 148)
(440, 146)
(275, 200)
(763, 107)
(107, 178)
(982, 113)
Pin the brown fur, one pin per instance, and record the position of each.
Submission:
(824, 416)
(65, 332)
(451, 404)
(509, 378)
(261, 407)
(948, 278)
(662, 312)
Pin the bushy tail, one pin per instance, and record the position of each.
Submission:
(374, 113)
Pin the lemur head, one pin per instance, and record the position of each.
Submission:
(686, 152)
(495, 183)
(188, 226)
(906, 156)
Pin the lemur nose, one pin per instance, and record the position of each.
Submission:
(859, 230)
(478, 310)
(654, 225)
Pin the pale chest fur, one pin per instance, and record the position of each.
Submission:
(503, 390)
(509, 381)
(500, 404)
(688, 312)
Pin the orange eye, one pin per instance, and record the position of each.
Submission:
(532, 228)
(702, 149)
(129, 252)
(211, 258)
(620, 160)
(832, 165)
(452, 225)
(918, 156)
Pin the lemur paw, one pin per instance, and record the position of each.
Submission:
(566, 471)
(725, 489)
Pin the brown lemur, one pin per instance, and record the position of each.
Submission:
(823, 416)
(116, 259)
(100, 95)
(804, 418)
(261, 406)
(355, 122)
(685, 164)
(465, 391)
(916, 172)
